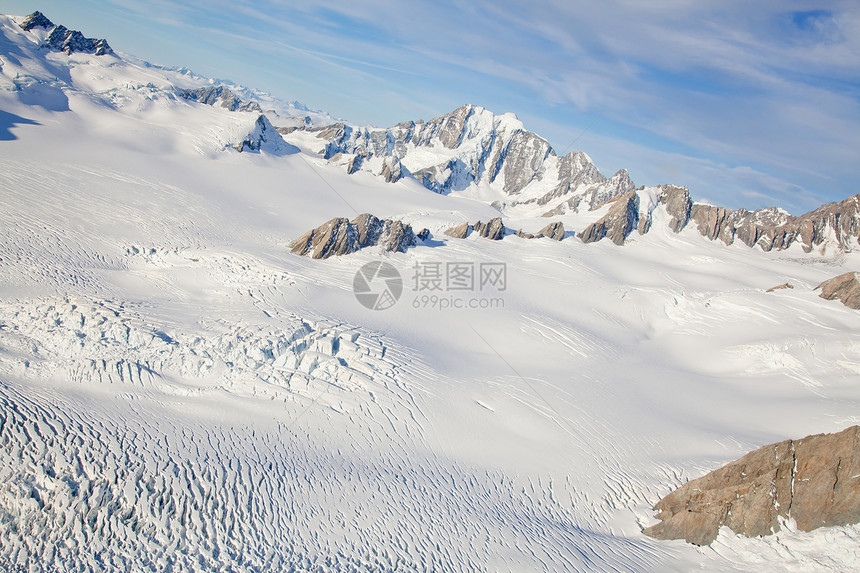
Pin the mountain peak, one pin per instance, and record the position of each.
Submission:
(61, 39)
(36, 20)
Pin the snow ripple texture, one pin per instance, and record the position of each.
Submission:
(80, 493)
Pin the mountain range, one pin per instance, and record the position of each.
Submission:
(240, 334)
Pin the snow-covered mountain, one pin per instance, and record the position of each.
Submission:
(182, 392)
(472, 147)
(475, 153)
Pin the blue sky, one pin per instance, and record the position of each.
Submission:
(749, 104)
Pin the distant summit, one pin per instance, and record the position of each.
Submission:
(61, 39)
(36, 20)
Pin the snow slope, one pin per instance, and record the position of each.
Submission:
(180, 392)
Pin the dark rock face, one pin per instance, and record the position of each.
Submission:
(618, 223)
(340, 236)
(36, 20)
(774, 229)
(813, 480)
(61, 39)
(219, 95)
(844, 287)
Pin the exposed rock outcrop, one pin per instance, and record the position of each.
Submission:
(493, 229)
(36, 20)
(392, 170)
(496, 151)
(264, 137)
(812, 480)
(783, 286)
(354, 164)
(554, 231)
(221, 96)
(61, 39)
(773, 228)
(844, 287)
(340, 236)
(459, 231)
(678, 205)
(618, 223)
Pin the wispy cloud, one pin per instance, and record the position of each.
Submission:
(772, 87)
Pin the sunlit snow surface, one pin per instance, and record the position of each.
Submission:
(180, 392)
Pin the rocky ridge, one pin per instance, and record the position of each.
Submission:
(554, 231)
(340, 236)
(812, 480)
(220, 95)
(845, 287)
(837, 223)
(494, 229)
(832, 225)
(473, 145)
(61, 39)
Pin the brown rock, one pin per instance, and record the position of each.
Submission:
(559, 210)
(844, 287)
(493, 229)
(392, 170)
(354, 164)
(340, 236)
(778, 287)
(460, 231)
(554, 231)
(813, 480)
(775, 229)
(618, 223)
(678, 204)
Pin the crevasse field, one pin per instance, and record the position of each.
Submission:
(180, 392)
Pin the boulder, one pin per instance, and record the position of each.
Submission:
(813, 480)
(844, 287)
